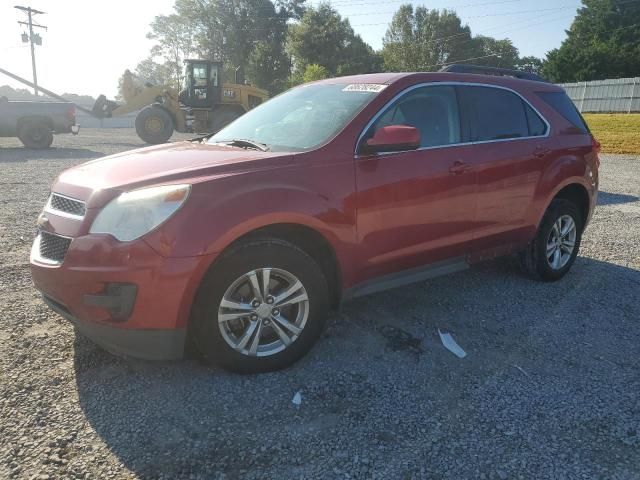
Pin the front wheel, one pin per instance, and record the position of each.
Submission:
(154, 125)
(262, 306)
(554, 249)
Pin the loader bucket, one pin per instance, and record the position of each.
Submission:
(104, 108)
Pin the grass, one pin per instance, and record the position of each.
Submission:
(617, 132)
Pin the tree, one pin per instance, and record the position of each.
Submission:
(158, 73)
(530, 64)
(424, 40)
(249, 34)
(323, 37)
(601, 43)
(494, 53)
(149, 71)
(314, 72)
(174, 36)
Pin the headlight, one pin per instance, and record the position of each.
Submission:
(135, 213)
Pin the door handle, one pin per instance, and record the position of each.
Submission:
(459, 167)
(540, 151)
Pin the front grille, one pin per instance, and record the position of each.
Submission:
(67, 205)
(53, 247)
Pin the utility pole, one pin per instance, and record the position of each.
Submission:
(33, 39)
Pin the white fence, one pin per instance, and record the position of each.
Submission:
(614, 95)
(87, 121)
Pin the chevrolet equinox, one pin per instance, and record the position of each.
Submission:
(240, 243)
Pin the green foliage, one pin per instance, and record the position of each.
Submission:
(601, 43)
(159, 73)
(173, 34)
(314, 72)
(249, 34)
(259, 37)
(530, 64)
(494, 53)
(324, 38)
(424, 40)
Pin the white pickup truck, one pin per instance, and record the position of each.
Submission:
(34, 123)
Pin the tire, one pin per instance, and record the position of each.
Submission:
(221, 342)
(35, 135)
(535, 261)
(222, 118)
(154, 125)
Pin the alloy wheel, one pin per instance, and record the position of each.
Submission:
(263, 312)
(561, 242)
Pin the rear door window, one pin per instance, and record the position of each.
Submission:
(493, 113)
(562, 104)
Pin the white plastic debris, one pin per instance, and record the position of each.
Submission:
(522, 370)
(451, 345)
(297, 398)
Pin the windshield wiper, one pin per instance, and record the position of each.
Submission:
(244, 143)
(202, 139)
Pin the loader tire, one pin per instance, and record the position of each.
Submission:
(154, 125)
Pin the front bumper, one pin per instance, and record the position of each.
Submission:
(125, 296)
(146, 344)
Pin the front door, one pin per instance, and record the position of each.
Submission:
(416, 207)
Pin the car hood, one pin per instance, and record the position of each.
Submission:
(169, 163)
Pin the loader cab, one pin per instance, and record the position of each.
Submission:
(203, 82)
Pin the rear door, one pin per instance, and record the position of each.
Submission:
(416, 207)
(509, 151)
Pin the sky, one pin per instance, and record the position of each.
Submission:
(89, 43)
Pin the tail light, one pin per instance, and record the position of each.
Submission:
(595, 145)
(71, 114)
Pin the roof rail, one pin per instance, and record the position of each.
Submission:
(498, 72)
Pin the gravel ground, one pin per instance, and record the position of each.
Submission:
(549, 388)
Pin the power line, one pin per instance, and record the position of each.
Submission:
(483, 16)
(463, 18)
(347, 3)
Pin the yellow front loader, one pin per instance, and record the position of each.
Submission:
(204, 106)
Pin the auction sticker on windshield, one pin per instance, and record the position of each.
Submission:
(364, 87)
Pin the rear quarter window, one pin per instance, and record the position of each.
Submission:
(562, 104)
(536, 126)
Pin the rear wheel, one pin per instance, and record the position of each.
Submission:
(154, 125)
(552, 253)
(262, 306)
(35, 135)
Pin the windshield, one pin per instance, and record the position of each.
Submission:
(300, 119)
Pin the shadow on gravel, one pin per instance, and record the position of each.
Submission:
(606, 198)
(20, 154)
(126, 145)
(180, 418)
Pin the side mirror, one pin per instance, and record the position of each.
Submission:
(393, 138)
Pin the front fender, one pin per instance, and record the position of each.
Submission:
(221, 210)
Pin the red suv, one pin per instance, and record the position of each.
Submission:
(241, 242)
